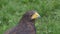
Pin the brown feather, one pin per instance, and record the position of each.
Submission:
(25, 25)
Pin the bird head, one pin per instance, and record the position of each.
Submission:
(31, 15)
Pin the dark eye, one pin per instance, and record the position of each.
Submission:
(31, 14)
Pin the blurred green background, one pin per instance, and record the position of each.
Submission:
(11, 12)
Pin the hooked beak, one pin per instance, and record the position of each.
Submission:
(35, 16)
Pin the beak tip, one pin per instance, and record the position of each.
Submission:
(39, 16)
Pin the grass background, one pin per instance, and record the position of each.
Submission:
(11, 12)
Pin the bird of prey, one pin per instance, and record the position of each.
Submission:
(26, 25)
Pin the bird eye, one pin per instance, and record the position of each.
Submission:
(30, 15)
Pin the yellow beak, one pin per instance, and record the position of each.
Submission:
(35, 15)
